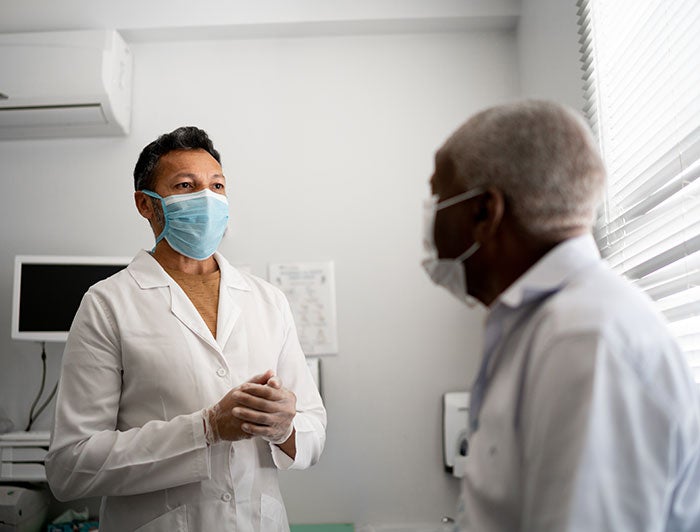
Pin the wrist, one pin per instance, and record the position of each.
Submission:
(284, 437)
(210, 433)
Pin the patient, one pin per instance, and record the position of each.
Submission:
(584, 415)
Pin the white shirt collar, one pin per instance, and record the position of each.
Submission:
(551, 272)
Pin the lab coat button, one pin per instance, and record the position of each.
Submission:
(221, 372)
(226, 497)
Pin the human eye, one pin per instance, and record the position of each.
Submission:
(184, 185)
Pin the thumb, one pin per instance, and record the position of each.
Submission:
(262, 378)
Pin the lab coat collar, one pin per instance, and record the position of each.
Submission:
(149, 274)
(551, 272)
(230, 276)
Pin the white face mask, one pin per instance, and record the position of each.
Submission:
(448, 273)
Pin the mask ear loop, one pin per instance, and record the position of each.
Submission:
(468, 252)
(459, 198)
(165, 225)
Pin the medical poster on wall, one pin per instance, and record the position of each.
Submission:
(310, 289)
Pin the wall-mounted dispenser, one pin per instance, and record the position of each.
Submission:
(455, 419)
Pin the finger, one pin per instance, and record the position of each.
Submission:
(262, 391)
(263, 377)
(275, 382)
(257, 430)
(255, 403)
(254, 416)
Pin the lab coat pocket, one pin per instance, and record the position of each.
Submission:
(272, 515)
(172, 521)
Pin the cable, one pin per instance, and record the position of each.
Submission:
(32, 416)
(46, 403)
(48, 400)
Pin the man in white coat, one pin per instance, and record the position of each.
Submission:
(584, 415)
(183, 385)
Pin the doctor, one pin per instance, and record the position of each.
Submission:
(183, 387)
(584, 415)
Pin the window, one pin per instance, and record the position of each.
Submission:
(641, 63)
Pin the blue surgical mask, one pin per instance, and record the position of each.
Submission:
(194, 223)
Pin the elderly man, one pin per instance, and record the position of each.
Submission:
(583, 415)
(183, 386)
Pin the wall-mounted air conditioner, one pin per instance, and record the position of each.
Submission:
(64, 84)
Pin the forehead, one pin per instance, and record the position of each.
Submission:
(443, 176)
(195, 162)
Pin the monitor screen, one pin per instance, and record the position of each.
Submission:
(48, 291)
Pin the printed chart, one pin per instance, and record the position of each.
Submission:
(310, 289)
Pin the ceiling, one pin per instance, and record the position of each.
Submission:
(164, 20)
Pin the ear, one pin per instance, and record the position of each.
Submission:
(144, 205)
(490, 208)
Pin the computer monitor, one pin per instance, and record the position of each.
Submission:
(48, 290)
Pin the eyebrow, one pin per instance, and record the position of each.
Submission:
(193, 176)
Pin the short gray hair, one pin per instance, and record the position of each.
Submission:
(540, 155)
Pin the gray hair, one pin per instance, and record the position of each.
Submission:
(540, 155)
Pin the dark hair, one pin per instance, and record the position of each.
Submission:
(183, 138)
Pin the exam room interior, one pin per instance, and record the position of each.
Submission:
(327, 141)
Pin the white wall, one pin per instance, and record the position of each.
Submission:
(327, 143)
(547, 44)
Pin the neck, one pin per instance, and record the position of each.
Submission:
(513, 256)
(172, 260)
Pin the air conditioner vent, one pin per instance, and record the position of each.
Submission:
(52, 115)
(64, 84)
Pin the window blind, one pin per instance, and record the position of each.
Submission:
(641, 83)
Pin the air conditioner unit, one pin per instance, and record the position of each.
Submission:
(64, 84)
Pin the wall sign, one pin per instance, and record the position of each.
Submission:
(310, 289)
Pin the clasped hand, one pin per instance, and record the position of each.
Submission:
(260, 407)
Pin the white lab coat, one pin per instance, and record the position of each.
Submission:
(139, 367)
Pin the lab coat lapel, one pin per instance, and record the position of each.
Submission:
(232, 285)
(185, 311)
(229, 312)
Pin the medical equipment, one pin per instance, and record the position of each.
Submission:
(46, 295)
(48, 290)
